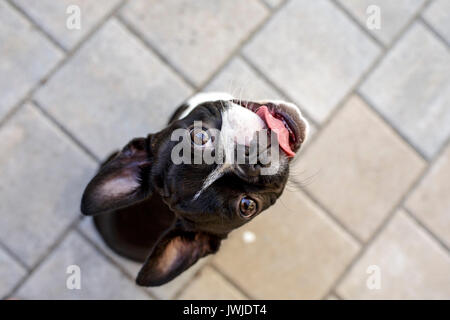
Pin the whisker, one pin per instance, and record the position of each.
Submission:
(298, 179)
(285, 206)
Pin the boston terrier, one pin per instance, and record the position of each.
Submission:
(170, 198)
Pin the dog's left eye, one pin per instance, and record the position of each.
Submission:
(199, 137)
(247, 207)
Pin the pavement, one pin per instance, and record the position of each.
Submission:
(366, 212)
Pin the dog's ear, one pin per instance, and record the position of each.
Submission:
(120, 181)
(174, 253)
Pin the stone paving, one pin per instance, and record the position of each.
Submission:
(370, 191)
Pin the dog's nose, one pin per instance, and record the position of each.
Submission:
(253, 170)
(250, 170)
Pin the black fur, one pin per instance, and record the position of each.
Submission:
(146, 202)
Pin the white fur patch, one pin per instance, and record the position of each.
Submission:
(199, 98)
(119, 186)
(239, 125)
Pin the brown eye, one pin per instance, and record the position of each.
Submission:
(247, 207)
(199, 137)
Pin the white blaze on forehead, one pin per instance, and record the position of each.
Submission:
(199, 98)
(239, 126)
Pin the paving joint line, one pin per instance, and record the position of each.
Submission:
(277, 88)
(343, 101)
(337, 295)
(113, 262)
(355, 88)
(66, 132)
(436, 156)
(126, 272)
(37, 26)
(190, 83)
(424, 175)
(235, 52)
(186, 285)
(28, 96)
(398, 206)
(232, 55)
(59, 239)
(321, 128)
(390, 215)
(330, 215)
(426, 230)
(384, 51)
(360, 26)
(403, 31)
(30, 93)
(153, 49)
(58, 66)
(244, 292)
(392, 126)
(265, 4)
(211, 265)
(14, 256)
(431, 29)
(414, 19)
(334, 286)
(388, 49)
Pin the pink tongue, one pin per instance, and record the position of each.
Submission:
(278, 127)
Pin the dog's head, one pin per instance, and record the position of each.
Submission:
(211, 168)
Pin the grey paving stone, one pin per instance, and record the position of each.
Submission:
(113, 89)
(314, 52)
(411, 265)
(291, 251)
(43, 175)
(241, 81)
(99, 279)
(238, 79)
(52, 17)
(394, 15)
(26, 56)
(195, 35)
(210, 285)
(438, 15)
(167, 291)
(273, 3)
(430, 201)
(359, 168)
(411, 88)
(10, 273)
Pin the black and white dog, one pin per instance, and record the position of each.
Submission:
(168, 214)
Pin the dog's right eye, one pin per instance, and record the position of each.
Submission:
(199, 136)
